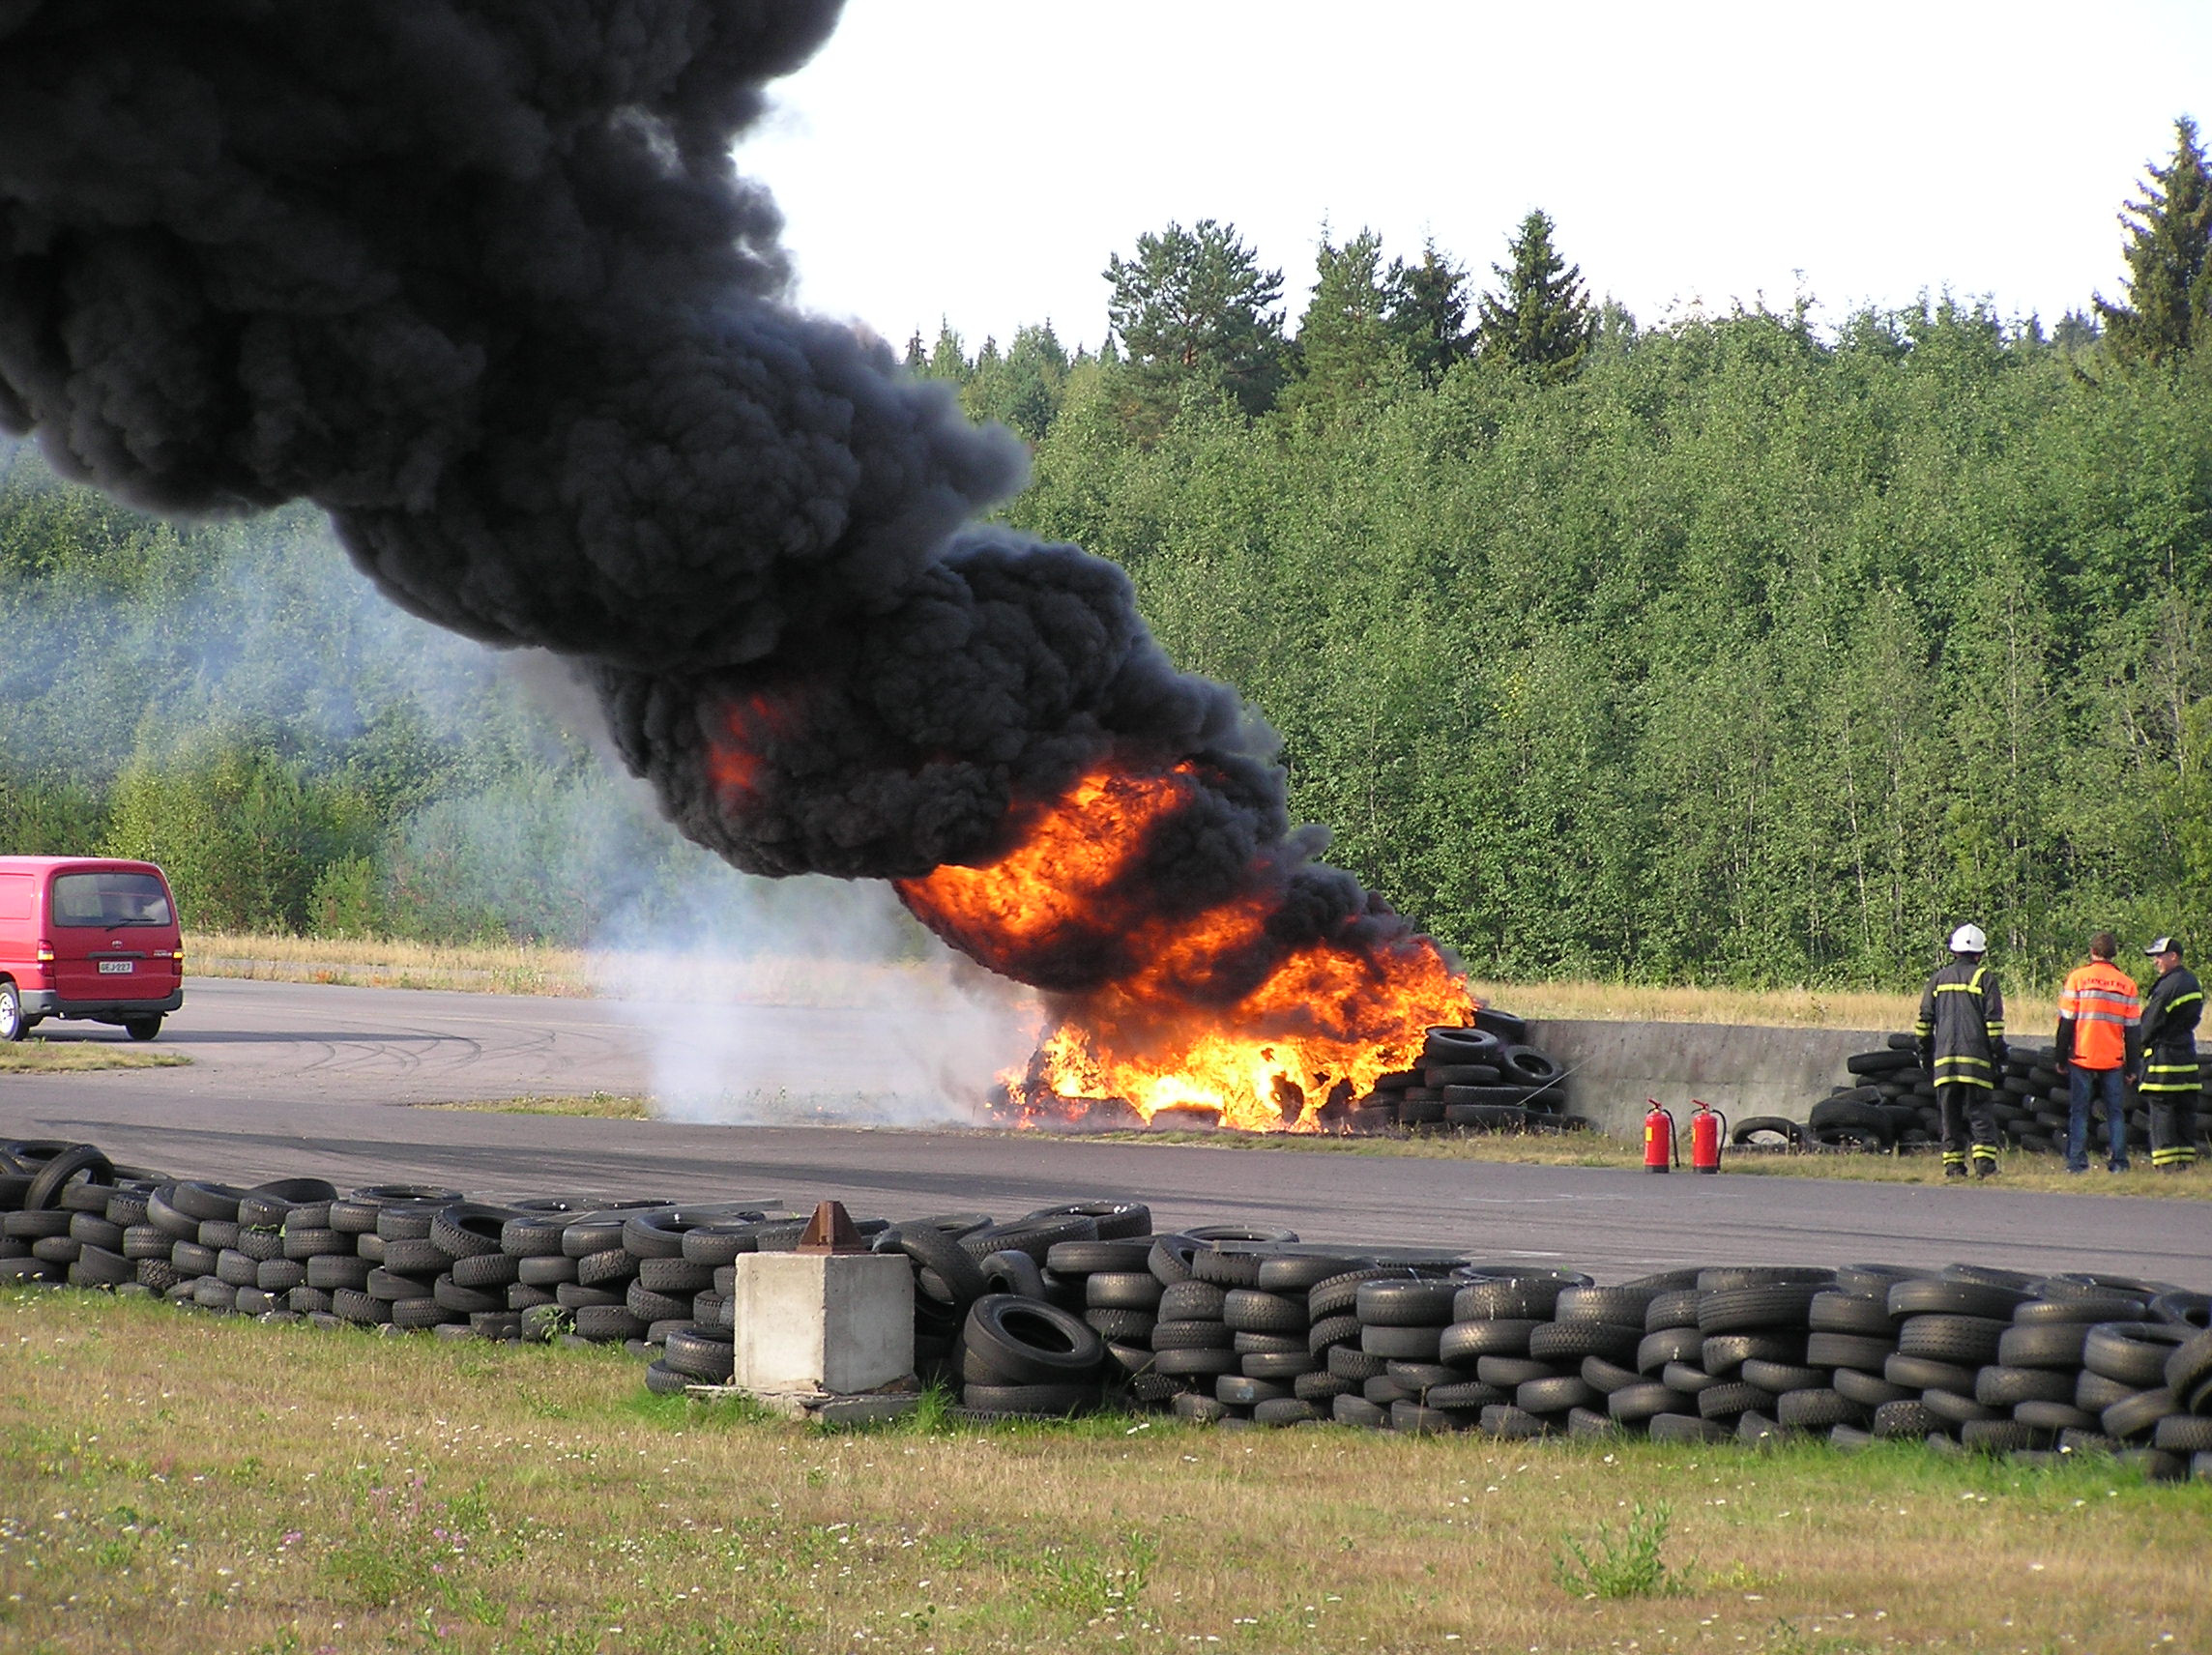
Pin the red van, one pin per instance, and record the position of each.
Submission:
(84, 937)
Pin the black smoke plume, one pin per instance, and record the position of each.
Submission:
(480, 278)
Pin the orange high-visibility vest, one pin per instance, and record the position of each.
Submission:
(2103, 1004)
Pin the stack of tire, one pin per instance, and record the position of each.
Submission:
(1887, 1103)
(2030, 1103)
(1005, 1310)
(1483, 1078)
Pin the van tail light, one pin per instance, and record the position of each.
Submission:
(178, 956)
(46, 953)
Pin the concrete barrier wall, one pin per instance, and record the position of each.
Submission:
(1741, 1071)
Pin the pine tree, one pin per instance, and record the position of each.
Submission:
(1350, 342)
(1429, 307)
(1195, 304)
(2168, 235)
(1542, 321)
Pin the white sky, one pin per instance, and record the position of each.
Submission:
(979, 159)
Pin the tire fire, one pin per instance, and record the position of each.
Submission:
(1202, 1009)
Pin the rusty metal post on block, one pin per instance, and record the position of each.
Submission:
(831, 1231)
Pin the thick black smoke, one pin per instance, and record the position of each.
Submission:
(479, 277)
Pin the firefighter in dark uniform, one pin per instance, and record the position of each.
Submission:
(2170, 1080)
(1961, 1040)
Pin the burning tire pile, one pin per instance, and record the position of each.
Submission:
(1888, 1103)
(1483, 1078)
(1079, 1307)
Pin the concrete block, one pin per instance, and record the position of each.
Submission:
(841, 1322)
(1741, 1071)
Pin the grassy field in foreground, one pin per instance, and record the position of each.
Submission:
(596, 1105)
(175, 1482)
(37, 1056)
(528, 968)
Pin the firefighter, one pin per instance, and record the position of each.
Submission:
(1961, 1038)
(2169, 1076)
(2099, 1050)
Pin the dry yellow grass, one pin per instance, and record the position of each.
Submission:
(171, 1482)
(2031, 1012)
(531, 968)
(37, 1056)
(597, 1106)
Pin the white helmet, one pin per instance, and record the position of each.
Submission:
(1969, 939)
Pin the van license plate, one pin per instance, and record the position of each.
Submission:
(115, 968)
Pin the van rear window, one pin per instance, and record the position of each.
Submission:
(110, 899)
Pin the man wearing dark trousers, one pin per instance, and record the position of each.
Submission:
(2099, 1050)
(2170, 1075)
(1961, 1038)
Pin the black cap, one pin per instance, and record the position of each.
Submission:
(2164, 945)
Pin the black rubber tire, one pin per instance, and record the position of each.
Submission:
(279, 1275)
(1195, 1363)
(1196, 1333)
(1925, 1372)
(1475, 1114)
(1357, 1411)
(1125, 1289)
(1192, 1301)
(1114, 1220)
(1654, 1350)
(468, 1228)
(1512, 1372)
(703, 1354)
(100, 1267)
(331, 1271)
(1401, 1344)
(613, 1268)
(461, 1300)
(716, 1245)
(1861, 1351)
(1529, 1066)
(1418, 1304)
(1463, 1046)
(191, 1258)
(2135, 1354)
(1999, 1386)
(2183, 1308)
(2183, 1433)
(1753, 1131)
(1686, 1428)
(1751, 1309)
(1464, 1341)
(650, 1307)
(1632, 1404)
(2135, 1418)
(1036, 1237)
(1622, 1307)
(2057, 1416)
(1513, 1423)
(1940, 1297)
(931, 1248)
(2189, 1365)
(348, 1305)
(86, 1161)
(1339, 1295)
(594, 1233)
(1725, 1352)
(1886, 1060)
(487, 1270)
(1671, 1307)
(1957, 1408)
(1730, 1400)
(1250, 1310)
(271, 1205)
(1678, 1376)
(415, 1257)
(1010, 1270)
(1439, 1075)
(1817, 1410)
(1779, 1377)
(1572, 1341)
(1970, 1341)
(2055, 1345)
(1030, 1401)
(1124, 1256)
(1031, 1343)
(1840, 1311)
(1128, 1326)
(607, 1323)
(1332, 1330)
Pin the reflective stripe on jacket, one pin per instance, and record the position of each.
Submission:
(1961, 1024)
(2170, 1010)
(2101, 1003)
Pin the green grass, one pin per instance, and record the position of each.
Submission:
(35, 1055)
(176, 1482)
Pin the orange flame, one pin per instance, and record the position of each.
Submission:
(1179, 1027)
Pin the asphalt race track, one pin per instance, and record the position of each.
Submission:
(290, 1079)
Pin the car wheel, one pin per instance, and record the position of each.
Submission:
(12, 1027)
(142, 1027)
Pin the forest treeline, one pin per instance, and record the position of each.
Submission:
(1727, 648)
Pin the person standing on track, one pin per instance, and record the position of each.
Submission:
(2100, 1049)
(2170, 1074)
(1961, 1038)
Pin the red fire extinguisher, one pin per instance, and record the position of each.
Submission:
(1659, 1143)
(1707, 1125)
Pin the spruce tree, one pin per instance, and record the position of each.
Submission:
(1349, 342)
(1430, 309)
(1542, 320)
(2169, 234)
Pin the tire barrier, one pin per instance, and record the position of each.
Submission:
(1886, 1102)
(1079, 1307)
(1486, 1078)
